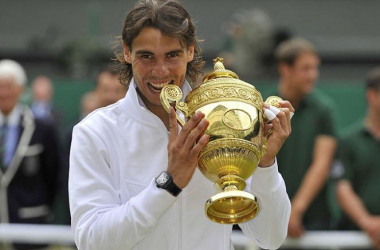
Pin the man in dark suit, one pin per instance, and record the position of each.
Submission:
(29, 160)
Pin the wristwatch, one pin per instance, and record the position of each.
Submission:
(165, 181)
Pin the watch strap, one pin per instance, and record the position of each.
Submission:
(173, 188)
(169, 185)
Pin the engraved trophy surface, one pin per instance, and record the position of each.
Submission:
(237, 142)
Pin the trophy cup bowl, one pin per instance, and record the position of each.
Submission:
(237, 142)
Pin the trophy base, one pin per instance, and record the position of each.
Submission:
(232, 207)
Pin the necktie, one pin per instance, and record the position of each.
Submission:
(3, 130)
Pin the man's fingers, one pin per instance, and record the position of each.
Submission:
(199, 146)
(267, 127)
(287, 104)
(285, 123)
(194, 134)
(189, 126)
(269, 114)
(274, 110)
(173, 125)
(277, 124)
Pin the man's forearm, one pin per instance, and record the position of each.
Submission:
(269, 228)
(311, 185)
(317, 173)
(351, 203)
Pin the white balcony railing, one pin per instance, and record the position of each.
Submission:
(62, 235)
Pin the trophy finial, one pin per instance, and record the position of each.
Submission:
(218, 59)
(218, 64)
(219, 71)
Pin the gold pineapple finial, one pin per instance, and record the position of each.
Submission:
(219, 71)
(218, 64)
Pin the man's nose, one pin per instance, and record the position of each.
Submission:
(160, 69)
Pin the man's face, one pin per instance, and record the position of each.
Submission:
(373, 96)
(156, 61)
(10, 92)
(42, 89)
(108, 89)
(303, 73)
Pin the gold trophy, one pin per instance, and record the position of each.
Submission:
(234, 109)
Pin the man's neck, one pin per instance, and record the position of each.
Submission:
(161, 113)
(158, 110)
(9, 115)
(288, 93)
(373, 122)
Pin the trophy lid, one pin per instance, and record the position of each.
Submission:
(222, 85)
(219, 71)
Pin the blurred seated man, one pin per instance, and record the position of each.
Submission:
(29, 161)
(108, 88)
(358, 190)
(305, 158)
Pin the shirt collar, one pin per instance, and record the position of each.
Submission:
(133, 104)
(366, 131)
(13, 118)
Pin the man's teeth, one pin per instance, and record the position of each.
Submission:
(159, 85)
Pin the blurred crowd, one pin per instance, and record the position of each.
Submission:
(317, 162)
(34, 151)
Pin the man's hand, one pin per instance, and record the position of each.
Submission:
(183, 147)
(295, 228)
(371, 225)
(281, 130)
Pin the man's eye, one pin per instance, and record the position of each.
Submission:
(171, 55)
(147, 56)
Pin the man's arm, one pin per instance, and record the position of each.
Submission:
(99, 219)
(315, 178)
(354, 208)
(269, 228)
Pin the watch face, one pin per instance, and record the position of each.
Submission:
(162, 178)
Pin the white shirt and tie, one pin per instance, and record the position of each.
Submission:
(9, 126)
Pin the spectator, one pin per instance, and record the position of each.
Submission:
(305, 158)
(28, 155)
(42, 106)
(359, 152)
(108, 88)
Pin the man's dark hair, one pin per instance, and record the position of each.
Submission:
(106, 69)
(373, 79)
(288, 51)
(171, 18)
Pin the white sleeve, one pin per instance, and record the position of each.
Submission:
(99, 219)
(269, 228)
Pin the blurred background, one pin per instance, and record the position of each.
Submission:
(71, 42)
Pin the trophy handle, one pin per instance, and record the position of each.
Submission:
(273, 101)
(171, 95)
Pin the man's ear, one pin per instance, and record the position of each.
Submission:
(190, 55)
(370, 95)
(283, 69)
(127, 54)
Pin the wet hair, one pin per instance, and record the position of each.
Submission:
(373, 79)
(169, 17)
(288, 51)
